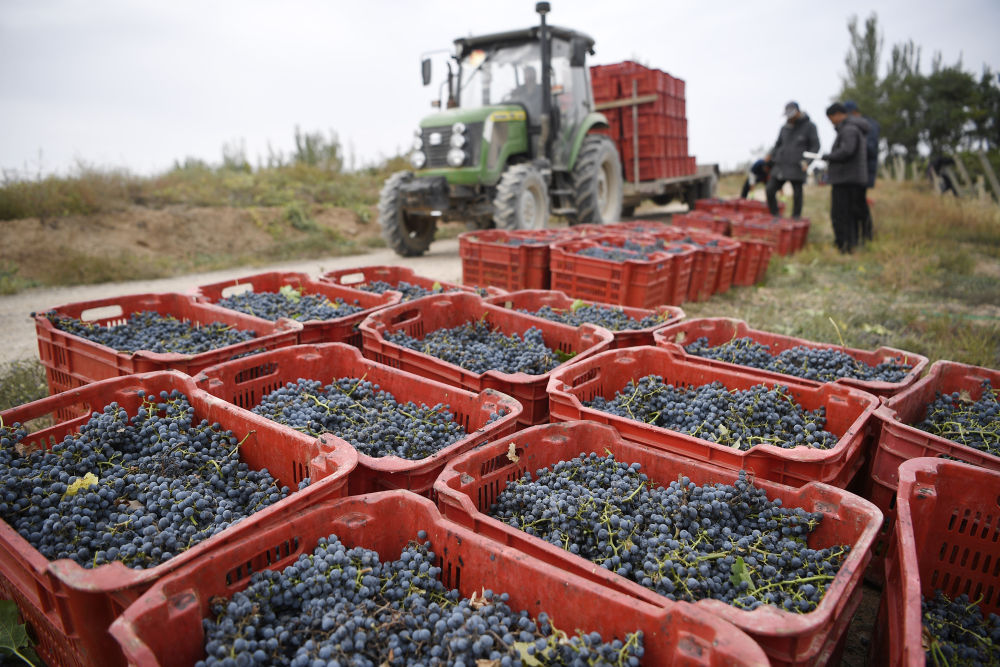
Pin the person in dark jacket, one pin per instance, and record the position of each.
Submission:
(758, 173)
(796, 136)
(867, 233)
(847, 174)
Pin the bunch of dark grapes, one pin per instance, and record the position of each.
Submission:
(408, 290)
(137, 490)
(148, 330)
(627, 250)
(683, 541)
(822, 364)
(345, 606)
(364, 415)
(957, 633)
(735, 418)
(477, 347)
(610, 317)
(958, 418)
(292, 305)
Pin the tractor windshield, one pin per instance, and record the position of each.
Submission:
(503, 75)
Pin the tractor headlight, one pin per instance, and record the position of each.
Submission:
(457, 140)
(418, 143)
(456, 157)
(418, 159)
(458, 128)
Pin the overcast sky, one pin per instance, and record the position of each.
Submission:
(140, 84)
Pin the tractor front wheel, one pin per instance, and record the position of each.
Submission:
(409, 234)
(522, 199)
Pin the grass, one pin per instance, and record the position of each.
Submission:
(929, 283)
(21, 382)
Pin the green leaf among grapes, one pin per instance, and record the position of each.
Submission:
(739, 573)
(87, 481)
(290, 293)
(14, 638)
(577, 305)
(522, 653)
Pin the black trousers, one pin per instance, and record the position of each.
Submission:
(847, 206)
(775, 184)
(865, 227)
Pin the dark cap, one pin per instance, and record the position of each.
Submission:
(791, 109)
(836, 107)
(851, 105)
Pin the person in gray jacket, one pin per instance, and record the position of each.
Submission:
(848, 176)
(796, 136)
(867, 232)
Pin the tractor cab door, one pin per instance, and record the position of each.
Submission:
(571, 100)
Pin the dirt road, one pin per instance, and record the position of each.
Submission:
(17, 328)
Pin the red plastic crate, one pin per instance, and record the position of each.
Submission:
(721, 330)
(532, 300)
(337, 330)
(244, 382)
(450, 310)
(68, 607)
(948, 526)
(848, 412)
(752, 262)
(360, 276)
(703, 220)
(779, 232)
(800, 232)
(650, 168)
(899, 441)
(72, 361)
(165, 626)
(664, 279)
(488, 260)
(470, 484)
(713, 273)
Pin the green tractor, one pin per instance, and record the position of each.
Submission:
(512, 144)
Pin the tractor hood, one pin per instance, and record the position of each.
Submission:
(498, 113)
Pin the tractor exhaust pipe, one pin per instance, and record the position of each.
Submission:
(544, 8)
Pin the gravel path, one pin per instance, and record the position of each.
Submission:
(17, 328)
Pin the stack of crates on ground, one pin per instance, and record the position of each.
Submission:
(508, 260)
(485, 415)
(661, 141)
(663, 277)
(899, 439)
(73, 361)
(531, 302)
(471, 483)
(448, 311)
(751, 220)
(947, 531)
(342, 329)
(165, 627)
(69, 607)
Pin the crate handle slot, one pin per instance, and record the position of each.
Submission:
(234, 290)
(102, 313)
(405, 317)
(351, 278)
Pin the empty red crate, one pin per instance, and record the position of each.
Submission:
(947, 529)
(848, 412)
(752, 262)
(650, 168)
(663, 279)
(779, 232)
(244, 382)
(471, 483)
(532, 300)
(72, 361)
(338, 330)
(165, 626)
(490, 260)
(68, 607)
(721, 330)
(702, 219)
(446, 311)
(900, 441)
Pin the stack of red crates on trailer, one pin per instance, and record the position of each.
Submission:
(661, 132)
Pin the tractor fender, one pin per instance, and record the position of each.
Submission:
(592, 120)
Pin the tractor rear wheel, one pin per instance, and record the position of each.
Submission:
(409, 234)
(597, 181)
(522, 199)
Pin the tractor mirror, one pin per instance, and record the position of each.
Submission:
(578, 54)
(425, 70)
